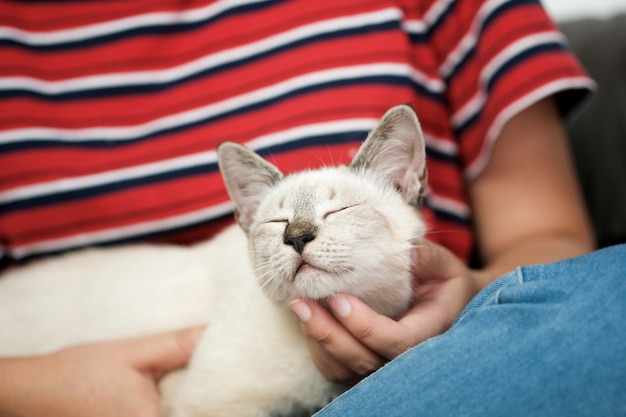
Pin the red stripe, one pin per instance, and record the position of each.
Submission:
(443, 177)
(451, 235)
(43, 16)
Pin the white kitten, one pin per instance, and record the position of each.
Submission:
(311, 234)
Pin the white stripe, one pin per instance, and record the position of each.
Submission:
(449, 205)
(468, 41)
(199, 65)
(317, 129)
(123, 133)
(474, 105)
(123, 232)
(414, 26)
(477, 166)
(95, 30)
(443, 145)
(188, 161)
(436, 11)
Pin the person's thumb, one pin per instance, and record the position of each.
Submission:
(159, 353)
(434, 262)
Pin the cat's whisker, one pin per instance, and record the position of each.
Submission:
(319, 158)
(262, 277)
(268, 277)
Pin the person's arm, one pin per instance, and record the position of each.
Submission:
(527, 209)
(527, 204)
(102, 379)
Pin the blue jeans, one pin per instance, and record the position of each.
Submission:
(545, 340)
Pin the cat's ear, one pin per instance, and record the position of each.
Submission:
(248, 178)
(395, 150)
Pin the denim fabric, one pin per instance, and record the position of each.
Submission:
(545, 340)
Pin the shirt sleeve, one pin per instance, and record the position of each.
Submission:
(498, 57)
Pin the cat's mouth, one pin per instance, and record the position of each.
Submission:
(307, 268)
(303, 267)
(311, 281)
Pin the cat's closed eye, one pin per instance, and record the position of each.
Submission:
(277, 221)
(328, 213)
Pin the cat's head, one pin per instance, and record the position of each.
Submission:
(344, 229)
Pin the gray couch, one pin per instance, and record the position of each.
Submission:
(598, 135)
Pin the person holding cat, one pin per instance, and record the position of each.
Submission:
(110, 114)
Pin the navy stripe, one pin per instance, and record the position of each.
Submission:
(161, 29)
(507, 6)
(535, 50)
(445, 215)
(417, 38)
(453, 218)
(432, 153)
(107, 143)
(94, 191)
(306, 142)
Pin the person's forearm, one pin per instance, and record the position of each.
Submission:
(14, 392)
(527, 205)
(534, 250)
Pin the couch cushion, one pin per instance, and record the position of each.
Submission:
(598, 135)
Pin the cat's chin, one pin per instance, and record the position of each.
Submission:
(312, 282)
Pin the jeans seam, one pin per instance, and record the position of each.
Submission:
(491, 293)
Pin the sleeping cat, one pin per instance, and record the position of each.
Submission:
(312, 234)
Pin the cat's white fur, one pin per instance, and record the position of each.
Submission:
(310, 234)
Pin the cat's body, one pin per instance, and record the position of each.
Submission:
(311, 234)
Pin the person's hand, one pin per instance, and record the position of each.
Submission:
(97, 380)
(357, 340)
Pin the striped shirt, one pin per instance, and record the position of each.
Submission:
(110, 112)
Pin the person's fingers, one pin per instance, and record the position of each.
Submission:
(166, 351)
(444, 285)
(336, 352)
(381, 334)
(431, 261)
